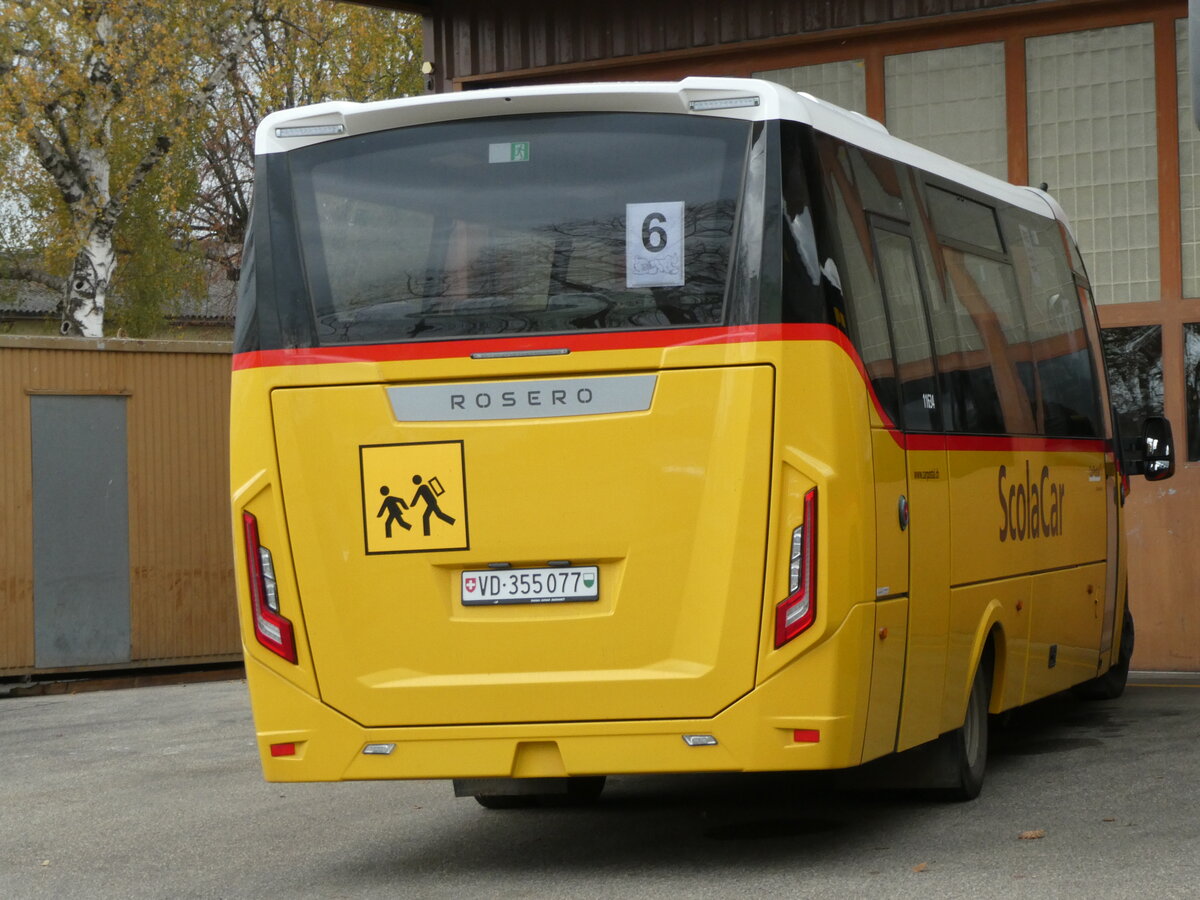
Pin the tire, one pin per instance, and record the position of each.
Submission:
(966, 748)
(581, 790)
(508, 801)
(1111, 684)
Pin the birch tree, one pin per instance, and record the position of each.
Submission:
(100, 92)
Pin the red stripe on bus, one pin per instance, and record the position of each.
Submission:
(576, 343)
(660, 339)
(990, 442)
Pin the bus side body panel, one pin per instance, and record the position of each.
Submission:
(1064, 629)
(929, 606)
(254, 478)
(1026, 509)
(822, 441)
(1017, 513)
(887, 677)
(1008, 539)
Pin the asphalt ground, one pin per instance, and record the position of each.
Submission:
(156, 792)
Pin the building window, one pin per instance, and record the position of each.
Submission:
(1092, 139)
(1191, 374)
(1135, 377)
(1189, 169)
(951, 102)
(843, 83)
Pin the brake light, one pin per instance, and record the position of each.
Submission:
(796, 613)
(272, 630)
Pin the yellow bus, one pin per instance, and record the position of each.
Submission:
(651, 428)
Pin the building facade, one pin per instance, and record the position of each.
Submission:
(1089, 97)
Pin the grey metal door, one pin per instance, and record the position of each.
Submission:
(80, 531)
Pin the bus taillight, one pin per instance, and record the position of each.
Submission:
(272, 630)
(797, 612)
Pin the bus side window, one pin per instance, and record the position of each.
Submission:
(1069, 398)
(951, 361)
(996, 386)
(809, 291)
(878, 180)
(917, 376)
(864, 297)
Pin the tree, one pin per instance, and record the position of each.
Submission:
(99, 93)
(307, 52)
(127, 129)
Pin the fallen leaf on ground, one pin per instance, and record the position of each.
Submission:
(1035, 835)
(920, 867)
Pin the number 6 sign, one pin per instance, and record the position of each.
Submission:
(654, 244)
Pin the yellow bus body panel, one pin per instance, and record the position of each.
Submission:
(688, 509)
(930, 538)
(757, 733)
(668, 503)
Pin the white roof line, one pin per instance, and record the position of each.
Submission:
(774, 102)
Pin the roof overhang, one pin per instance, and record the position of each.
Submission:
(428, 7)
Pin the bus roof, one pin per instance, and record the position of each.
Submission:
(750, 99)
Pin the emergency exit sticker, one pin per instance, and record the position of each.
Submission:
(654, 244)
(513, 151)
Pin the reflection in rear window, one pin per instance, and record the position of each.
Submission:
(520, 225)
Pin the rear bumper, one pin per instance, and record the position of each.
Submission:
(824, 691)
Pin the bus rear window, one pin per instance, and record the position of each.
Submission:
(548, 223)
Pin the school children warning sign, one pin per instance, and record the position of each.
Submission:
(414, 497)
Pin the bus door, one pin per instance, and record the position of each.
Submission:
(1112, 479)
(912, 510)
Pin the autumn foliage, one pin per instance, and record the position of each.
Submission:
(126, 131)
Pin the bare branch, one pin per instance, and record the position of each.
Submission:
(190, 109)
(58, 165)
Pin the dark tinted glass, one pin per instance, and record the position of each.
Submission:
(521, 224)
(1191, 370)
(857, 273)
(960, 218)
(810, 287)
(951, 360)
(1069, 393)
(878, 180)
(993, 378)
(910, 335)
(1135, 376)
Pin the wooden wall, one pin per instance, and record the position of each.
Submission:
(182, 608)
(1162, 529)
(472, 41)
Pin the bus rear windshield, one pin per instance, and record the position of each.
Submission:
(547, 223)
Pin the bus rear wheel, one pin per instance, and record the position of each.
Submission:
(1111, 684)
(581, 790)
(965, 750)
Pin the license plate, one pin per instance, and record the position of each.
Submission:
(560, 584)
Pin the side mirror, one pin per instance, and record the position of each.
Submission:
(1158, 449)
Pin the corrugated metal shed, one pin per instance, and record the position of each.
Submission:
(176, 395)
